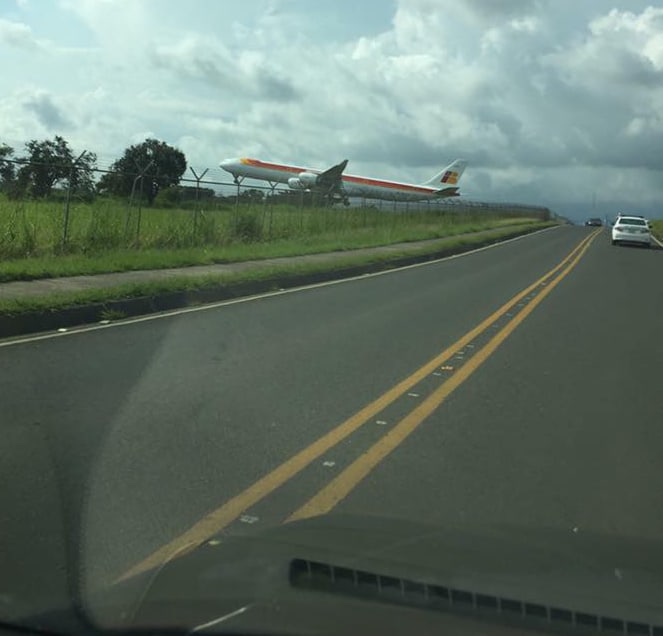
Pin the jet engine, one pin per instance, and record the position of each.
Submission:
(303, 181)
(308, 179)
(295, 184)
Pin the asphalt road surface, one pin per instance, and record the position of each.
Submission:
(519, 384)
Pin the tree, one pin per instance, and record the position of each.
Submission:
(160, 164)
(82, 175)
(7, 171)
(251, 195)
(174, 196)
(49, 162)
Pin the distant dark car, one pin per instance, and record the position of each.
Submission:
(596, 222)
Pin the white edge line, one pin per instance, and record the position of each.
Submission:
(659, 242)
(236, 301)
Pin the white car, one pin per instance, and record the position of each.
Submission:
(631, 229)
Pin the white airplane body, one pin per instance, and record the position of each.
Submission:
(333, 182)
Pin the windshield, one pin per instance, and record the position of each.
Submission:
(623, 221)
(303, 298)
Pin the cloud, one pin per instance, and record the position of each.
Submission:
(17, 34)
(48, 113)
(203, 60)
(118, 25)
(492, 10)
(612, 76)
(619, 50)
(541, 100)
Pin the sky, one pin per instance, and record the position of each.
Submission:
(552, 102)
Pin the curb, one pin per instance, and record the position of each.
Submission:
(49, 320)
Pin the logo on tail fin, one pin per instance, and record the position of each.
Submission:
(450, 177)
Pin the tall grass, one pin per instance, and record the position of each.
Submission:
(109, 236)
(35, 228)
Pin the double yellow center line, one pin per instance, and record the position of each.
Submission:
(348, 479)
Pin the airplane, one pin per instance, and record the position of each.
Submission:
(338, 186)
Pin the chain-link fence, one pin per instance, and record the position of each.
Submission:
(203, 209)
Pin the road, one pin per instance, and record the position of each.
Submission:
(480, 389)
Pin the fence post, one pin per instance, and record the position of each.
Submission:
(272, 187)
(141, 175)
(65, 229)
(140, 209)
(238, 183)
(195, 212)
(140, 203)
(129, 204)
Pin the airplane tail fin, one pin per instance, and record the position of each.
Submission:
(449, 176)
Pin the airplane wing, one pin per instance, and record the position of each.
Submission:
(330, 179)
(447, 192)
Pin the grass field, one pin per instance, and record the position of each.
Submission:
(53, 302)
(657, 229)
(108, 236)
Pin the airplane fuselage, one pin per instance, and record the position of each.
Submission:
(298, 178)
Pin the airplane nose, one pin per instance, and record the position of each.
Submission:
(228, 163)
